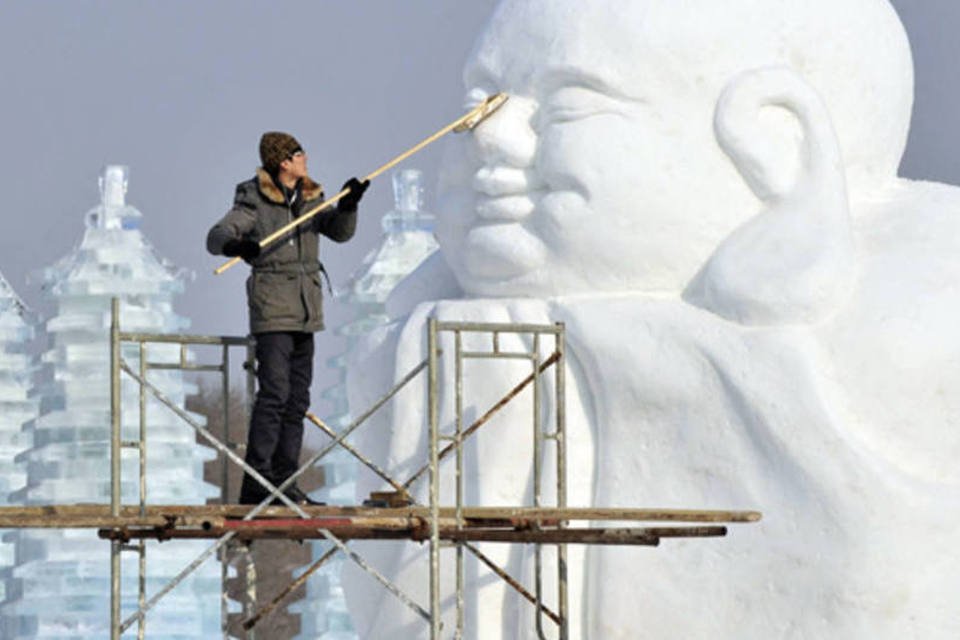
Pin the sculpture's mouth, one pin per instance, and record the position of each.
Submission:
(504, 194)
(505, 208)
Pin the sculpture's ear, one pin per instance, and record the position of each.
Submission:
(777, 131)
(792, 261)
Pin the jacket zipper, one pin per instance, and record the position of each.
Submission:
(303, 273)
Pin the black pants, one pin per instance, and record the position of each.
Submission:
(284, 373)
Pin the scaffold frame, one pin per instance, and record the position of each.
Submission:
(119, 365)
(555, 359)
(393, 515)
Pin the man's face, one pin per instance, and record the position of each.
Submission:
(295, 166)
(599, 174)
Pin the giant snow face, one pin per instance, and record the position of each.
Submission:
(601, 173)
(783, 331)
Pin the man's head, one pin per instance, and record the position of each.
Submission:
(602, 172)
(281, 155)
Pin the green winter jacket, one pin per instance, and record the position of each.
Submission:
(284, 290)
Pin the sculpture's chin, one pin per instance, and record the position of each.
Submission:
(525, 286)
(497, 252)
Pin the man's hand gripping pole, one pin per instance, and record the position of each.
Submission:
(467, 122)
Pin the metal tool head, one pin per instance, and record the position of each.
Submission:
(481, 112)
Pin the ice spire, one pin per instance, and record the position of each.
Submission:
(407, 241)
(62, 578)
(17, 407)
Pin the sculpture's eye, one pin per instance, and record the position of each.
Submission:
(575, 103)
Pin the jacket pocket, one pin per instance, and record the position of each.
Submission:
(275, 299)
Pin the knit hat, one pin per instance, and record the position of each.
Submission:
(275, 147)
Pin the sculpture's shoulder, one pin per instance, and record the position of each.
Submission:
(909, 253)
(894, 345)
(374, 358)
(372, 363)
(911, 216)
(432, 280)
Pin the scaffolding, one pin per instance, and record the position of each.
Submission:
(393, 514)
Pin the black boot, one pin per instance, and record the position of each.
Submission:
(300, 497)
(252, 492)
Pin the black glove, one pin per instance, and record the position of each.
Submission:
(246, 249)
(350, 201)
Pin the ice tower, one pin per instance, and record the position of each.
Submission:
(17, 406)
(407, 241)
(61, 583)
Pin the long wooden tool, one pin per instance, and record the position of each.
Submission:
(467, 122)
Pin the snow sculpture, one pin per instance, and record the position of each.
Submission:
(760, 313)
(62, 577)
(406, 242)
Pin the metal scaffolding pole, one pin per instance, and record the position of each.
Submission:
(434, 410)
(115, 423)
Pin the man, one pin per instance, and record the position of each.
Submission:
(284, 297)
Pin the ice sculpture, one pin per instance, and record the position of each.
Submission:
(17, 406)
(406, 242)
(760, 314)
(62, 577)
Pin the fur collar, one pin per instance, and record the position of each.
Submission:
(309, 189)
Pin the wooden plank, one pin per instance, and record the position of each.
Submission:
(98, 516)
(649, 536)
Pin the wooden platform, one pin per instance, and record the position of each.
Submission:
(473, 524)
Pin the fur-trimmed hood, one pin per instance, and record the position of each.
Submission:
(309, 189)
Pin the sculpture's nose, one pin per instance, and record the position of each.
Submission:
(507, 137)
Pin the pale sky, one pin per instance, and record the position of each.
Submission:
(181, 90)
